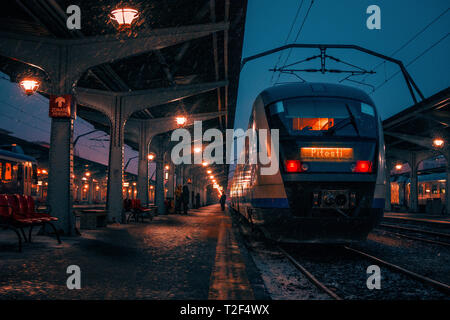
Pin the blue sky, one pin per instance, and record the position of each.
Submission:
(344, 22)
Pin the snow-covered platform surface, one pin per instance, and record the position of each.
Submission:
(198, 256)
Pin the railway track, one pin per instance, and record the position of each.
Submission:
(417, 234)
(309, 275)
(340, 273)
(428, 281)
(323, 278)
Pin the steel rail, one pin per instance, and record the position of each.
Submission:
(432, 233)
(309, 275)
(416, 238)
(443, 287)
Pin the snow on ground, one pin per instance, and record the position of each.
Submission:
(282, 280)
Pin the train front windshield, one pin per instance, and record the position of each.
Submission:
(324, 117)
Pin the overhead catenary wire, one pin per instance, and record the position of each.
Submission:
(415, 36)
(287, 38)
(412, 61)
(296, 37)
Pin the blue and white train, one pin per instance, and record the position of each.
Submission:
(330, 186)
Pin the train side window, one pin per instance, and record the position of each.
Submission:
(421, 189)
(434, 189)
(34, 174)
(19, 169)
(8, 171)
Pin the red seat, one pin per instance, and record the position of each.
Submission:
(5, 209)
(138, 206)
(29, 202)
(18, 215)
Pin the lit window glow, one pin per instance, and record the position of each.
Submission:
(316, 124)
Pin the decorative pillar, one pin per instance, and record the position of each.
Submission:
(115, 173)
(413, 195)
(159, 188)
(387, 204)
(60, 174)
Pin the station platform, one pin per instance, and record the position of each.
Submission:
(432, 220)
(198, 256)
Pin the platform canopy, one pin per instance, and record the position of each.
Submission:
(214, 57)
(417, 127)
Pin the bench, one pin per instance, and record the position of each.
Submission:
(136, 210)
(18, 212)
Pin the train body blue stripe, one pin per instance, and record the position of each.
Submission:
(378, 203)
(270, 203)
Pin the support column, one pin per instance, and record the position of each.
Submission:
(159, 188)
(170, 182)
(387, 204)
(447, 184)
(142, 182)
(447, 196)
(115, 174)
(60, 175)
(91, 190)
(413, 194)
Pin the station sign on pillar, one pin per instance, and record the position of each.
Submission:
(62, 106)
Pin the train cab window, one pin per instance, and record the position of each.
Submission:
(313, 117)
(313, 124)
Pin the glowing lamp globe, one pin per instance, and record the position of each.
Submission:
(124, 17)
(197, 149)
(29, 86)
(438, 142)
(181, 120)
(151, 156)
(398, 166)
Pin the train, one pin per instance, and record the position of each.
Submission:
(330, 185)
(22, 174)
(18, 172)
(431, 192)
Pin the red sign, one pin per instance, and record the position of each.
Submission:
(60, 106)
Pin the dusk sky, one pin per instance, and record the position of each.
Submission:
(344, 22)
(267, 26)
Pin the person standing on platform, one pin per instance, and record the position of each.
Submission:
(222, 201)
(185, 198)
(197, 200)
(178, 200)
